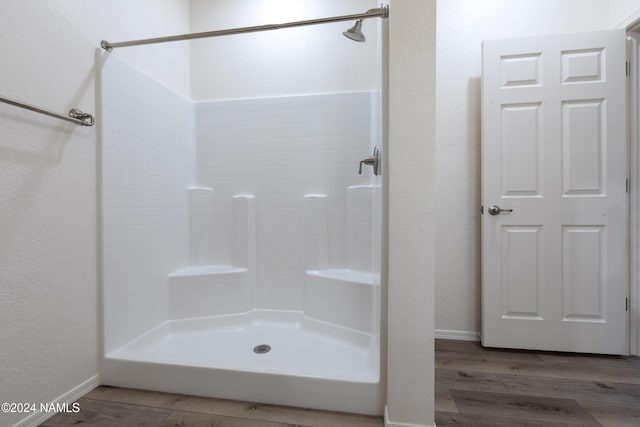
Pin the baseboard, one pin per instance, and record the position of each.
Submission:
(69, 397)
(388, 423)
(457, 335)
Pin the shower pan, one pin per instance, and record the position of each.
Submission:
(241, 248)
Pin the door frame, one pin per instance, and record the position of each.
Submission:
(633, 111)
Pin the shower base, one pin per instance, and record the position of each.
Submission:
(309, 364)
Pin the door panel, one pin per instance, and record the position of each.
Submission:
(520, 272)
(554, 152)
(583, 270)
(521, 150)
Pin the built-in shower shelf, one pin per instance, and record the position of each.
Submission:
(206, 270)
(362, 277)
(208, 290)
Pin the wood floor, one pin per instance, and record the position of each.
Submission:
(119, 407)
(489, 388)
(474, 387)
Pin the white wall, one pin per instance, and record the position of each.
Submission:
(48, 283)
(279, 150)
(462, 25)
(147, 165)
(412, 212)
(623, 12)
(315, 59)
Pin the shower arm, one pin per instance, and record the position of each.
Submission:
(382, 12)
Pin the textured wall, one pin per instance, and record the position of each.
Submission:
(312, 59)
(48, 284)
(462, 25)
(412, 209)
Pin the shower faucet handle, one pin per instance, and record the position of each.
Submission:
(369, 161)
(372, 161)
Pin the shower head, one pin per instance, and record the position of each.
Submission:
(355, 32)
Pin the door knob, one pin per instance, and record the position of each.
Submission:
(496, 210)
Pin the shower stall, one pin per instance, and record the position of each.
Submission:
(241, 247)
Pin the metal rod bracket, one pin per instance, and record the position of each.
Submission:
(85, 118)
(106, 45)
(75, 115)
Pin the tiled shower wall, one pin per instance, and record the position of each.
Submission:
(275, 151)
(147, 152)
(279, 150)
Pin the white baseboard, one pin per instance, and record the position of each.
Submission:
(69, 397)
(388, 423)
(457, 335)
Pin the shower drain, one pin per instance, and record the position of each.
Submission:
(262, 349)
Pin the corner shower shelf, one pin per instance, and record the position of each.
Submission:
(362, 277)
(209, 290)
(206, 270)
(342, 297)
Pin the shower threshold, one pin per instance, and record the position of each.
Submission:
(308, 363)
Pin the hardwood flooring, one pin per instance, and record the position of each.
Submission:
(120, 407)
(482, 387)
(475, 387)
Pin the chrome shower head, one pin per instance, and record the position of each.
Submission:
(355, 32)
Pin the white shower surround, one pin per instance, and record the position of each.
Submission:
(291, 258)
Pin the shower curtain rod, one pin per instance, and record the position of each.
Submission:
(75, 116)
(382, 12)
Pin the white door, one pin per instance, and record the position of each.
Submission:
(554, 152)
